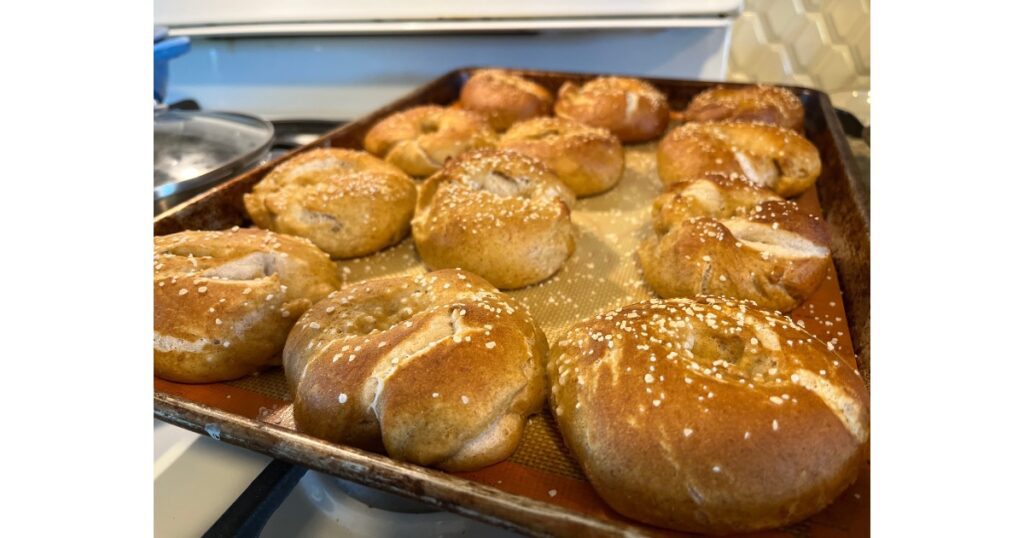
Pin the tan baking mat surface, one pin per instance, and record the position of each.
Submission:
(601, 275)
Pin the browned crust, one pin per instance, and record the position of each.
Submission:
(223, 302)
(588, 160)
(745, 444)
(349, 203)
(771, 156)
(427, 364)
(420, 139)
(633, 110)
(715, 195)
(504, 98)
(760, 103)
(498, 213)
(721, 235)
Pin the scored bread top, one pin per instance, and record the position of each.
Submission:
(708, 415)
(225, 300)
(438, 369)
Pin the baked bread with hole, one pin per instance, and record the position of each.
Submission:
(708, 415)
(768, 155)
(723, 236)
(497, 213)
(504, 98)
(589, 160)
(224, 301)
(438, 369)
(759, 104)
(419, 140)
(349, 203)
(631, 109)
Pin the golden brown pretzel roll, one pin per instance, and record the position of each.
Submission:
(438, 369)
(715, 195)
(761, 103)
(773, 254)
(767, 155)
(419, 140)
(504, 98)
(349, 203)
(708, 415)
(631, 109)
(223, 302)
(589, 160)
(500, 214)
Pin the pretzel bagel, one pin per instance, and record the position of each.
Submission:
(769, 156)
(438, 369)
(500, 214)
(419, 140)
(708, 415)
(631, 109)
(504, 98)
(707, 241)
(349, 203)
(589, 160)
(223, 302)
(761, 104)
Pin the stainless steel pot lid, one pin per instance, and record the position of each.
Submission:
(195, 149)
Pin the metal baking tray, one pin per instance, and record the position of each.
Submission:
(242, 413)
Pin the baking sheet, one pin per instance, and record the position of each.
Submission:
(602, 274)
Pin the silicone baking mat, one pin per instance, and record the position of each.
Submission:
(602, 274)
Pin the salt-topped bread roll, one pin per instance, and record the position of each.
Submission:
(349, 203)
(708, 415)
(504, 98)
(419, 140)
(223, 302)
(633, 110)
(760, 103)
(720, 235)
(498, 213)
(438, 369)
(768, 155)
(589, 160)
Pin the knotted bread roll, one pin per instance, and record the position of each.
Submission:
(349, 203)
(708, 415)
(498, 213)
(633, 110)
(419, 140)
(723, 236)
(438, 369)
(589, 160)
(223, 302)
(761, 104)
(504, 98)
(770, 156)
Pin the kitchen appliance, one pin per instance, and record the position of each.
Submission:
(336, 60)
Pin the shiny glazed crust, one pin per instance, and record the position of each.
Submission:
(504, 98)
(497, 213)
(419, 140)
(223, 302)
(722, 236)
(631, 109)
(349, 203)
(439, 369)
(767, 155)
(761, 104)
(708, 415)
(589, 160)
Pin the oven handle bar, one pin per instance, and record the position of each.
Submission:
(446, 26)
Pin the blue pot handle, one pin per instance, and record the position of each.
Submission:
(164, 50)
